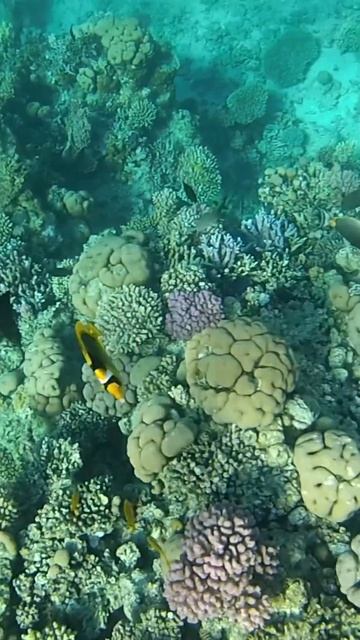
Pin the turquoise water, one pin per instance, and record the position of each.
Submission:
(179, 320)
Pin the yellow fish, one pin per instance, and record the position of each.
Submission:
(89, 339)
(130, 514)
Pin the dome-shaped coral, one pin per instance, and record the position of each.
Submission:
(239, 373)
(159, 434)
(329, 468)
(49, 374)
(109, 261)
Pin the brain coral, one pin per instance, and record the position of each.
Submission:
(108, 262)
(288, 59)
(159, 434)
(348, 572)
(329, 468)
(239, 373)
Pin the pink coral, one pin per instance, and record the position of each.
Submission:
(220, 569)
(190, 313)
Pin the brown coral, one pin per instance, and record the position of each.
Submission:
(239, 373)
(329, 468)
(110, 262)
(49, 374)
(159, 434)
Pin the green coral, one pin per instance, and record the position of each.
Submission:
(326, 618)
(247, 103)
(183, 277)
(141, 113)
(53, 631)
(154, 623)
(131, 320)
(288, 59)
(224, 465)
(6, 228)
(159, 379)
(198, 168)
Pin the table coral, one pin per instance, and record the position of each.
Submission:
(288, 59)
(159, 434)
(218, 571)
(329, 468)
(239, 373)
(110, 262)
(247, 103)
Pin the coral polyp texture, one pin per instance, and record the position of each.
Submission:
(220, 570)
(191, 312)
(179, 321)
(329, 469)
(240, 373)
(108, 262)
(160, 432)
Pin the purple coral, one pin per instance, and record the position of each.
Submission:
(219, 571)
(192, 312)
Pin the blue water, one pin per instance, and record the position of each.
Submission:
(179, 320)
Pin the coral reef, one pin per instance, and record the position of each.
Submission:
(108, 262)
(189, 313)
(239, 373)
(328, 465)
(131, 320)
(159, 433)
(246, 104)
(288, 59)
(219, 569)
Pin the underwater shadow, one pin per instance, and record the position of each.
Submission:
(25, 14)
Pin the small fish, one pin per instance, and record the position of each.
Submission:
(351, 200)
(190, 193)
(129, 509)
(156, 546)
(75, 503)
(349, 228)
(89, 339)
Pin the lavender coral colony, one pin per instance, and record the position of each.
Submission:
(179, 323)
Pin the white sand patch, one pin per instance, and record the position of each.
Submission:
(330, 114)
